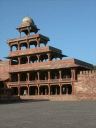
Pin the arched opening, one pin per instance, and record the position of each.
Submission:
(23, 60)
(43, 57)
(54, 74)
(33, 90)
(14, 77)
(43, 75)
(14, 61)
(14, 91)
(32, 76)
(43, 90)
(67, 89)
(66, 73)
(23, 91)
(14, 47)
(33, 59)
(23, 46)
(42, 44)
(23, 76)
(33, 44)
(54, 89)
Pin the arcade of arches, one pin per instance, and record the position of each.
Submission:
(62, 89)
(53, 82)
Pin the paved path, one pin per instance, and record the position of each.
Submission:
(46, 114)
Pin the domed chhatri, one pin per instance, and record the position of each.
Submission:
(27, 26)
(28, 20)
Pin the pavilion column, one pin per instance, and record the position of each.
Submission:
(48, 89)
(18, 46)
(18, 60)
(28, 82)
(18, 84)
(60, 74)
(60, 85)
(38, 89)
(73, 77)
(28, 28)
(49, 76)
(38, 57)
(38, 76)
(49, 56)
(38, 42)
(73, 74)
(28, 59)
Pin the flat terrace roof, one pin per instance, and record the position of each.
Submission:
(58, 64)
(24, 38)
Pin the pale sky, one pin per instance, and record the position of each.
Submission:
(70, 24)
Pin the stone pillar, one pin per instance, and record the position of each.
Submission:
(18, 84)
(48, 89)
(60, 74)
(28, 90)
(38, 76)
(60, 85)
(73, 74)
(49, 75)
(38, 56)
(38, 42)
(38, 89)
(49, 57)
(28, 59)
(18, 60)
(28, 46)
(18, 46)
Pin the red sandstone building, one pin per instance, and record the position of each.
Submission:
(38, 69)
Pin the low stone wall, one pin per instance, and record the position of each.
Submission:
(85, 87)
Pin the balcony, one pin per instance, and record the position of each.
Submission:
(34, 82)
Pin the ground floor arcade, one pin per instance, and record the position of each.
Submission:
(54, 89)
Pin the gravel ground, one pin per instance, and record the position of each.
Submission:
(48, 114)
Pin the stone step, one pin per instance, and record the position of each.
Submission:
(52, 97)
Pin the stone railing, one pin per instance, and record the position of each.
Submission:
(39, 81)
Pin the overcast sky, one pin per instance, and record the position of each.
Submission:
(70, 24)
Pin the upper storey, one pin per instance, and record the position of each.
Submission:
(31, 44)
(27, 26)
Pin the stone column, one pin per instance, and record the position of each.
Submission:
(49, 57)
(18, 84)
(38, 89)
(28, 46)
(49, 75)
(18, 60)
(73, 74)
(38, 42)
(60, 89)
(48, 89)
(38, 56)
(18, 46)
(28, 59)
(60, 74)
(38, 75)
